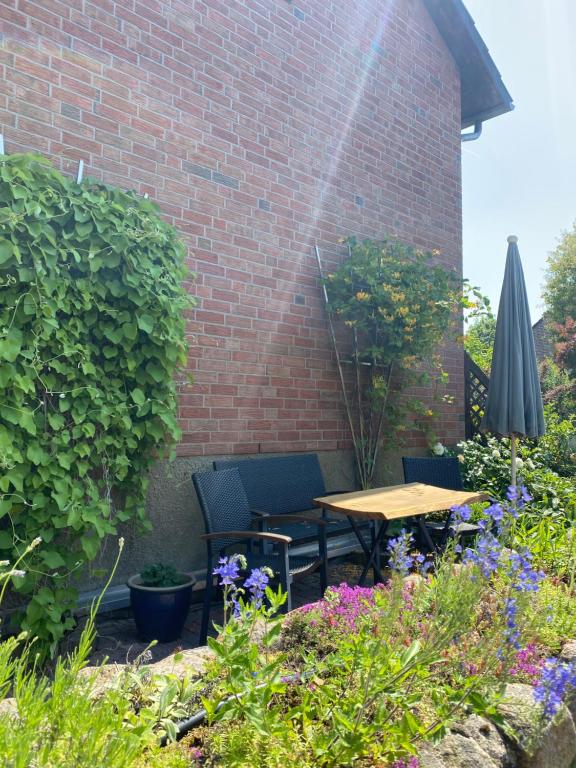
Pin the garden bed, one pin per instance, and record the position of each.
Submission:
(449, 667)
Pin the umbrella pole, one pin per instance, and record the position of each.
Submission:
(513, 455)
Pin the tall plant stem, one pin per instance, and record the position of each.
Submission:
(338, 362)
(364, 449)
(376, 445)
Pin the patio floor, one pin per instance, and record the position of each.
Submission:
(117, 641)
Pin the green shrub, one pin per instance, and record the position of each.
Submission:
(64, 721)
(395, 307)
(552, 543)
(546, 468)
(91, 335)
(160, 575)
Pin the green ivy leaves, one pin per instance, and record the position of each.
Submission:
(91, 336)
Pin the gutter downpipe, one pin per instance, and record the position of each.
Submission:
(473, 135)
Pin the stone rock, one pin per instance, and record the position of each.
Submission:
(103, 677)
(568, 652)
(8, 708)
(555, 747)
(476, 743)
(414, 580)
(487, 737)
(259, 629)
(190, 661)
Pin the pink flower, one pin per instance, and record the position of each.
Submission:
(528, 663)
(412, 762)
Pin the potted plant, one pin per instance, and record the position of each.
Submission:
(160, 598)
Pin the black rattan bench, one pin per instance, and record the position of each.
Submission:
(287, 485)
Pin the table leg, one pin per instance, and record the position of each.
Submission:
(376, 548)
(426, 535)
(356, 529)
(446, 530)
(373, 554)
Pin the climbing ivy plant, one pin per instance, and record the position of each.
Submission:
(92, 333)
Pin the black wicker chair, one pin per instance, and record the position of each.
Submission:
(228, 523)
(443, 473)
(280, 486)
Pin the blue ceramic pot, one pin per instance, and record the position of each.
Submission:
(160, 612)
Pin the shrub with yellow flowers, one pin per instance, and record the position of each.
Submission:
(397, 304)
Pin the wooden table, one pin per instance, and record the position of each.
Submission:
(383, 505)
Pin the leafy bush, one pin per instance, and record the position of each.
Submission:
(479, 341)
(396, 306)
(160, 575)
(546, 468)
(558, 388)
(552, 543)
(91, 335)
(553, 620)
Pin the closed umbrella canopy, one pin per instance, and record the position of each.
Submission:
(514, 404)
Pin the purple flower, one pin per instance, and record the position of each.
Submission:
(228, 571)
(411, 762)
(518, 495)
(398, 553)
(257, 583)
(555, 680)
(486, 554)
(527, 663)
(521, 572)
(342, 607)
(460, 514)
(424, 564)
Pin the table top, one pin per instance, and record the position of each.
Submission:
(396, 501)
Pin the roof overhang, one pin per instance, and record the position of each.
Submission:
(483, 94)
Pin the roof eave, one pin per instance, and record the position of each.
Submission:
(478, 72)
(488, 114)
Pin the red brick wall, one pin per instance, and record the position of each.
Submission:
(259, 126)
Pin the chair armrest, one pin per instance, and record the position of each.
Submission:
(289, 518)
(274, 537)
(259, 513)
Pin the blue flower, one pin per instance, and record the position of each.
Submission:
(486, 554)
(495, 513)
(521, 572)
(555, 679)
(511, 633)
(398, 552)
(518, 494)
(228, 571)
(460, 514)
(424, 564)
(256, 583)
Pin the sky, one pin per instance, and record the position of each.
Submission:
(520, 176)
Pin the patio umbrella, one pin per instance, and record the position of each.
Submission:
(514, 404)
